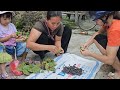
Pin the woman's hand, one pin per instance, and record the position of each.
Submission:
(60, 51)
(53, 49)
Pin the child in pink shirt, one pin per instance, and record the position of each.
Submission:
(8, 39)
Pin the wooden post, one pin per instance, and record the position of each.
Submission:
(76, 17)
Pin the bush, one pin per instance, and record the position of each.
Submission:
(24, 20)
(69, 23)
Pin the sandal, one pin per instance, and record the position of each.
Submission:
(7, 64)
(5, 76)
(113, 76)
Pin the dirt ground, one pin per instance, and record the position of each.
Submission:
(74, 48)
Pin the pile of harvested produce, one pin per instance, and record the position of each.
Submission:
(5, 57)
(27, 69)
(32, 67)
(48, 64)
(73, 70)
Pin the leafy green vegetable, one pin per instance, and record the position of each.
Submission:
(28, 68)
(49, 64)
(5, 57)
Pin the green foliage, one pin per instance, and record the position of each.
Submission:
(26, 34)
(69, 22)
(25, 21)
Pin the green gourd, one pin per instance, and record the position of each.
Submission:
(4, 56)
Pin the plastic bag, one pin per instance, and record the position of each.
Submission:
(13, 67)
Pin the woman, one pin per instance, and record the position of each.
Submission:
(108, 43)
(49, 35)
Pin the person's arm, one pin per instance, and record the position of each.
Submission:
(58, 38)
(90, 41)
(58, 43)
(109, 58)
(34, 35)
(8, 37)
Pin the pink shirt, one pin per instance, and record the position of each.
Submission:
(8, 31)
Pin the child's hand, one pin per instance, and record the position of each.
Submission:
(24, 38)
(13, 35)
(21, 39)
(18, 36)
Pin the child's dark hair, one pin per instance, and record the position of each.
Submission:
(53, 14)
(6, 15)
